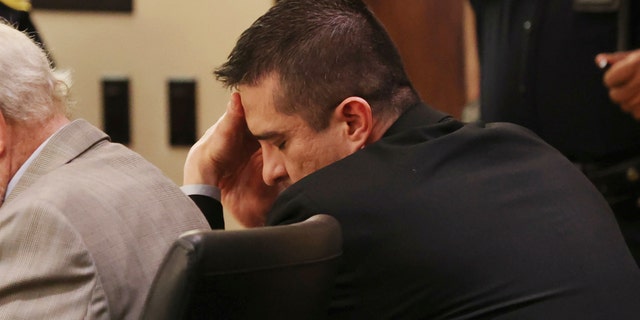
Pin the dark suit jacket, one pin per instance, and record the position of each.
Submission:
(445, 220)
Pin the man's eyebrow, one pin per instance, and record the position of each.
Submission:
(267, 135)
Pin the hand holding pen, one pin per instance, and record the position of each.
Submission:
(622, 78)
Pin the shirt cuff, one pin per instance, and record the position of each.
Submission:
(203, 190)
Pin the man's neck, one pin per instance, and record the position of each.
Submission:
(27, 138)
(380, 126)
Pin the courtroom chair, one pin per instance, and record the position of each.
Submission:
(277, 272)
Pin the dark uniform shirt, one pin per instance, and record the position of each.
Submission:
(538, 70)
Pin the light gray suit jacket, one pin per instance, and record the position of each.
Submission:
(85, 229)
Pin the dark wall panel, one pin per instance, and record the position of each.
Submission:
(115, 104)
(182, 112)
(85, 5)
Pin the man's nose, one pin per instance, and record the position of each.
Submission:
(273, 169)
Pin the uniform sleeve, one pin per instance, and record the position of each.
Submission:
(45, 270)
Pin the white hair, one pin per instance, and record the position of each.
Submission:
(30, 89)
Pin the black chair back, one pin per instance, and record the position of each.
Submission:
(279, 272)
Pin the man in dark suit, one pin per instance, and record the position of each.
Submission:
(440, 219)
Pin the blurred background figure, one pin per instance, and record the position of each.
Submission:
(17, 13)
(537, 69)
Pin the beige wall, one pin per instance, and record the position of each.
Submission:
(159, 40)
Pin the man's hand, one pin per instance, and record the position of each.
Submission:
(229, 157)
(623, 79)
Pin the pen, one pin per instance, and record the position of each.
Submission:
(604, 64)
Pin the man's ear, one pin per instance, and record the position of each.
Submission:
(356, 121)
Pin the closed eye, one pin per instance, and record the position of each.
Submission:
(275, 138)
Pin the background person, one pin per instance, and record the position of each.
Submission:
(537, 70)
(84, 223)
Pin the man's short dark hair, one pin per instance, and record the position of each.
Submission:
(323, 51)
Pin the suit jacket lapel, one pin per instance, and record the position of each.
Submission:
(64, 146)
